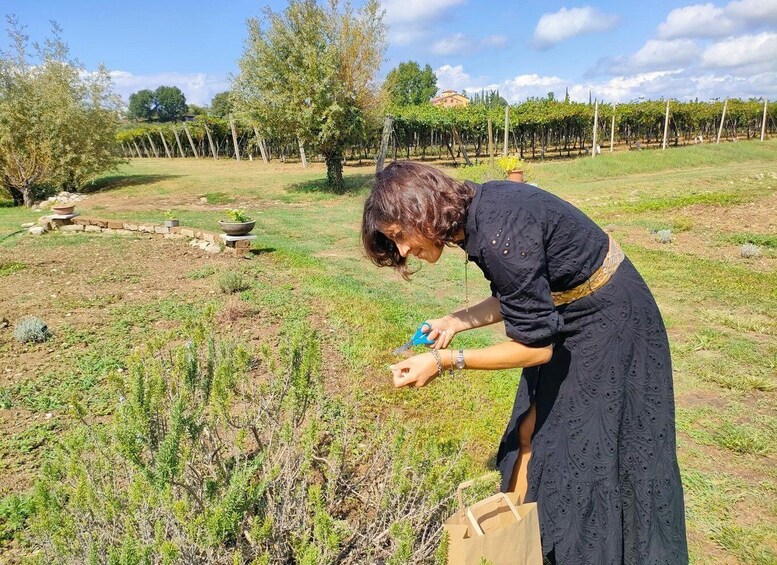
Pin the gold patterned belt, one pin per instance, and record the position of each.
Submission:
(597, 280)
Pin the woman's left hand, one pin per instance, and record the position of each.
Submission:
(417, 371)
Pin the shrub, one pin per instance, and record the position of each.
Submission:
(508, 164)
(31, 330)
(750, 251)
(216, 455)
(232, 282)
(237, 215)
(664, 236)
(480, 173)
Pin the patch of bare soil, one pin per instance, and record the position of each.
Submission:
(759, 216)
(701, 243)
(76, 288)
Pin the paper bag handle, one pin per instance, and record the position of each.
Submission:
(488, 500)
(466, 484)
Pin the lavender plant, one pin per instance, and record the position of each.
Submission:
(664, 236)
(31, 330)
(750, 251)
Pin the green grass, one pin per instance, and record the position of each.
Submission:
(307, 265)
(8, 267)
(764, 240)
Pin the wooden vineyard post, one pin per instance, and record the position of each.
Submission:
(461, 145)
(164, 144)
(260, 141)
(145, 149)
(135, 143)
(722, 119)
(191, 141)
(234, 137)
(302, 156)
(612, 129)
(666, 126)
(388, 126)
(507, 130)
(596, 127)
(178, 141)
(763, 121)
(151, 141)
(490, 141)
(210, 142)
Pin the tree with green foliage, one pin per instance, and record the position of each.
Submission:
(170, 104)
(58, 123)
(491, 99)
(141, 105)
(196, 110)
(409, 85)
(308, 72)
(221, 105)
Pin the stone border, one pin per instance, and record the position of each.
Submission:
(207, 241)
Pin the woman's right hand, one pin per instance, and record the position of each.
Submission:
(442, 332)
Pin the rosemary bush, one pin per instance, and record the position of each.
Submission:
(216, 456)
(31, 330)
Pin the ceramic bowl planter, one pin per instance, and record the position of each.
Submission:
(237, 228)
(515, 175)
(64, 210)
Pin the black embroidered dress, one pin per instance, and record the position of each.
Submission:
(603, 468)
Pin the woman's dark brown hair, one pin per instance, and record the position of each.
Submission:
(417, 197)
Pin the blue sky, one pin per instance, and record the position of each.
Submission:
(619, 51)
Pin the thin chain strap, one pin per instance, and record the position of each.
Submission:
(466, 282)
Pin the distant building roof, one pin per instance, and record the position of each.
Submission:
(450, 99)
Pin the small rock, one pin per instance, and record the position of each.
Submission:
(213, 248)
(28, 224)
(4, 323)
(37, 230)
(203, 200)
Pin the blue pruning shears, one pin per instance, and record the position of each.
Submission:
(419, 338)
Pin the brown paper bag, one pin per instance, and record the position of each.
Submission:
(494, 529)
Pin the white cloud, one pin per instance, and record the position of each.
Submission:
(654, 55)
(451, 45)
(567, 23)
(708, 20)
(414, 11)
(743, 51)
(406, 35)
(459, 43)
(199, 88)
(495, 41)
(680, 84)
(661, 55)
(453, 78)
(754, 11)
(698, 20)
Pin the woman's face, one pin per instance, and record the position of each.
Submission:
(410, 242)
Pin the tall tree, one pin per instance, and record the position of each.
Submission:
(221, 105)
(409, 85)
(141, 105)
(309, 71)
(58, 123)
(169, 104)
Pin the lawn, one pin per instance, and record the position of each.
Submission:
(105, 297)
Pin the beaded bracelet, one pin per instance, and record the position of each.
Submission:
(436, 356)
